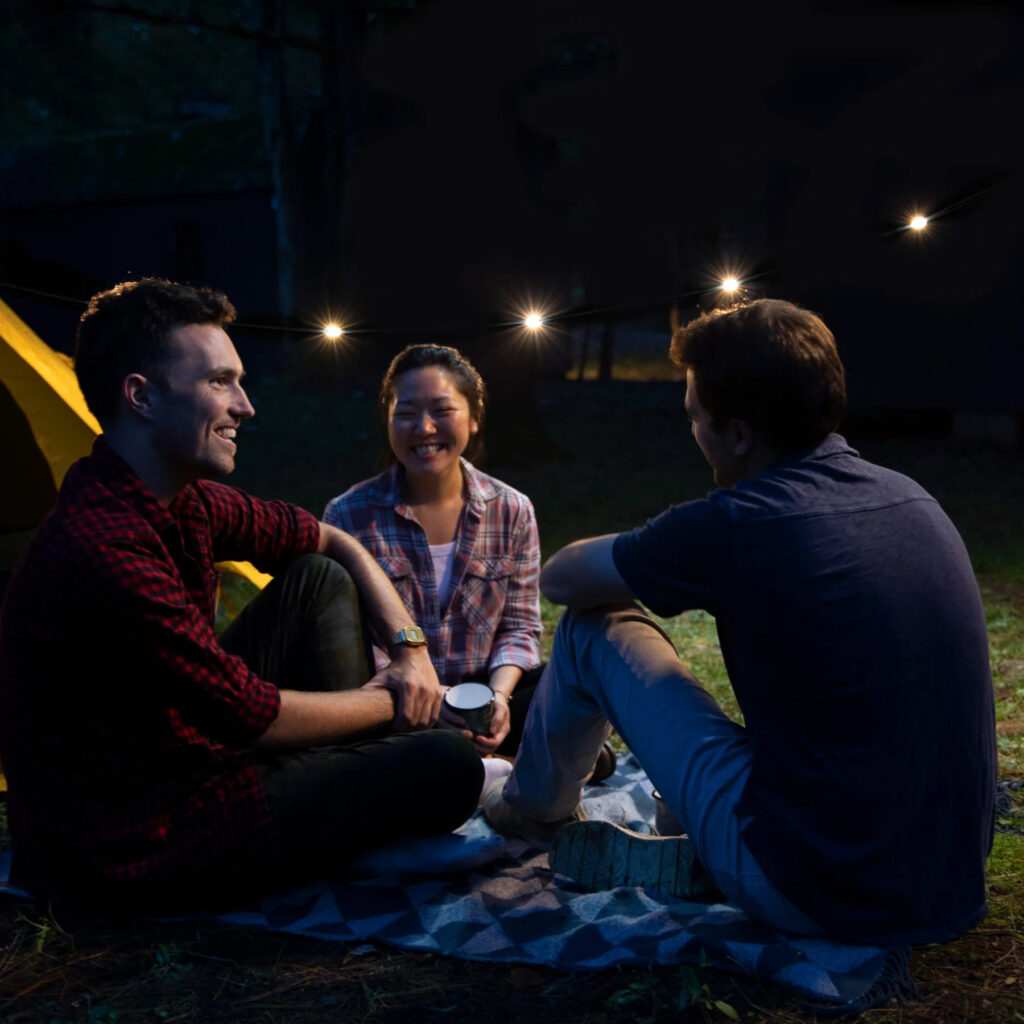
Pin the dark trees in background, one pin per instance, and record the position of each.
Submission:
(278, 134)
(431, 161)
(120, 70)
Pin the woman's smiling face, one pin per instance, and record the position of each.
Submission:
(429, 423)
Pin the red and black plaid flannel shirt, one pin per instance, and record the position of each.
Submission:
(125, 728)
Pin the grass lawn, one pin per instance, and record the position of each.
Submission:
(617, 455)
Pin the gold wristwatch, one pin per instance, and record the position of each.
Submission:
(411, 636)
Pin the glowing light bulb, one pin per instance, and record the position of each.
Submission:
(534, 321)
(730, 284)
(919, 222)
(333, 331)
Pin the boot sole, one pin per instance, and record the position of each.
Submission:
(599, 855)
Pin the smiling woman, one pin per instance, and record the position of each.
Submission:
(430, 423)
(460, 547)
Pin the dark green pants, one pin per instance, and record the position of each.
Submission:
(305, 632)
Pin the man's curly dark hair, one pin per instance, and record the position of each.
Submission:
(124, 330)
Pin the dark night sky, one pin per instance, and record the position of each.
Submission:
(835, 118)
(788, 139)
(792, 138)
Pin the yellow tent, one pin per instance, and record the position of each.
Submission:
(46, 426)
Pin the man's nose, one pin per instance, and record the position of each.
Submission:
(241, 406)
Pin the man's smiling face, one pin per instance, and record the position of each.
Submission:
(201, 403)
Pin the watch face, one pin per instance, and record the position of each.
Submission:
(412, 636)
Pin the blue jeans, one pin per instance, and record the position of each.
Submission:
(615, 665)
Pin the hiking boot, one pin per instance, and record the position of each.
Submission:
(513, 824)
(605, 766)
(598, 855)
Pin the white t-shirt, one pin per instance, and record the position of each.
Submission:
(442, 555)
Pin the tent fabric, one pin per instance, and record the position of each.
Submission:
(43, 384)
(28, 492)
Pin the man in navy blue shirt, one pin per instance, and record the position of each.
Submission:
(856, 801)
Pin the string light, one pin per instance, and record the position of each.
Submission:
(533, 320)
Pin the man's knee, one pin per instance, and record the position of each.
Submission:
(455, 773)
(318, 583)
(453, 758)
(600, 616)
(315, 573)
(581, 625)
(578, 623)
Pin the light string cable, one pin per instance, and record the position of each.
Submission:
(731, 283)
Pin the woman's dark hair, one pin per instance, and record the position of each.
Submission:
(125, 330)
(770, 363)
(462, 372)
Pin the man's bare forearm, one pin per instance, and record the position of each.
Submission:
(384, 607)
(322, 718)
(583, 574)
(410, 676)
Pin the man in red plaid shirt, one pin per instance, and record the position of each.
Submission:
(149, 763)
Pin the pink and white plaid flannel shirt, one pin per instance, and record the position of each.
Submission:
(492, 617)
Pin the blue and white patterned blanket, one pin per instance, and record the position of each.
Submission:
(477, 896)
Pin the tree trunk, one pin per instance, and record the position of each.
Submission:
(278, 136)
(584, 350)
(337, 34)
(604, 370)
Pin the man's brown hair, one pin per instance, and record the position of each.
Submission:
(124, 330)
(767, 362)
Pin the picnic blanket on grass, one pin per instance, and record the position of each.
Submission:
(475, 895)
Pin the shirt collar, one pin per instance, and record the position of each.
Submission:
(124, 483)
(480, 488)
(833, 444)
(829, 446)
(389, 491)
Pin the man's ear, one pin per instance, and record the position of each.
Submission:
(139, 393)
(742, 436)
